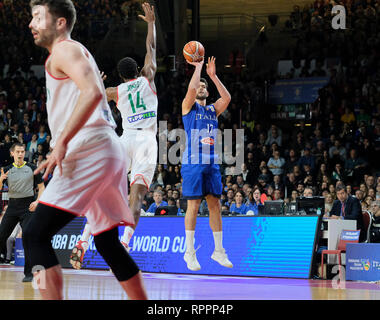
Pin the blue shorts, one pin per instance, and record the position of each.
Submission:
(200, 180)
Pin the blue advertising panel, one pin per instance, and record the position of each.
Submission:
(295, 91)
(19, 253)
(268, 246)
(363, 261)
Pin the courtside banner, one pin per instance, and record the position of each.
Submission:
(363, 261)
(268, 246)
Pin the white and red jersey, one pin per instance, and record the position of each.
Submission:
(138, 104)
(62, 97)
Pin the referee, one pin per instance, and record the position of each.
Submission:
(21, 183)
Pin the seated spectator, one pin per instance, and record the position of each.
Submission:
(377, 197)
(359, 195)
(338, 173)
(277, 184)
(290, 182)
(276, 164)
(366, 203)
(27, 134)
(246, 174)
(41, 135)
(238, 207)
(364, 189)
(265, 174)
(254, 202)
(300, 188)
(348, 116)
(274, 138)
(370, 182)
(31, 147)
(337, 152)
(354, 166)
(348, 208)
(174, 175)
(328, 203)
(307, 158)
(375, 229)
(277, 194)
(230, 198)
(294, 195)
(291, 161)
(158, 202)
(240, 181)
(161, 176)
(308, 192)
(372, 193)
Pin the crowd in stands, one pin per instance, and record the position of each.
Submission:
(340, 144)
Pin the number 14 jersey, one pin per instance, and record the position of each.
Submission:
(138, 104)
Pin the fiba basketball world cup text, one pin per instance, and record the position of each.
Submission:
(217, 146)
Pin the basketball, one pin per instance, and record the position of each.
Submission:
(194, 51)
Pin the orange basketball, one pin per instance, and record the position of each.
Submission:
(194, 51)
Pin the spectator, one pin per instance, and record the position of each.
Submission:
(338, 173)
(238, 207)
(254, 202)
(158, 202)
(308, 192)
(161, 176)
(274, 138)
(337, 152)
(354, 166)
(291, 161)
(276, 164)
(348, 116)
(31, 147)
(328, 204)
(230, 198)
(307, 158)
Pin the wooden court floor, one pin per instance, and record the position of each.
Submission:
(101, 285)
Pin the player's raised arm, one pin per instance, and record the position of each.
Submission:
(111, 93)
(191, 93)
(222, 103)
(150, 63)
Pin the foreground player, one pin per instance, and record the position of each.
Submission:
(200, 173)
(90, 175)
(136, 99)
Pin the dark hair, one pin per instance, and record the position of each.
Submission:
(340, 187)
(127, 68)
(16, 144)
(241, 192)
(204, 81)
(58, 9)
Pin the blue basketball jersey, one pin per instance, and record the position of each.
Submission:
(201, 126)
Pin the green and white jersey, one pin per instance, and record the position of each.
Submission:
(138, 104)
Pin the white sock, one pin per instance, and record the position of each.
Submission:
(128, 233)
(190, 240)
(85, 236)
(218, 240)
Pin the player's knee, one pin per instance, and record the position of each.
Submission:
(113, 252)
